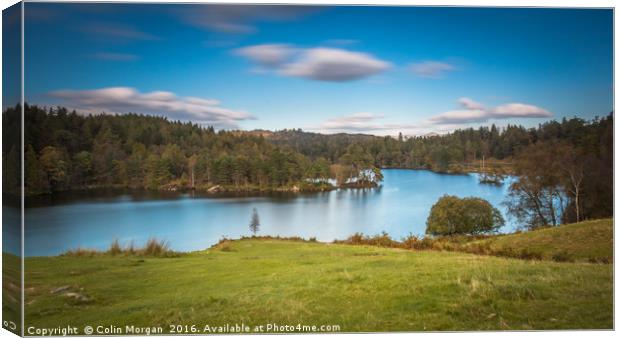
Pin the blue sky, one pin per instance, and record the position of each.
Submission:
(377, 70)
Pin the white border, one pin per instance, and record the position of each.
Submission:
(471, 3)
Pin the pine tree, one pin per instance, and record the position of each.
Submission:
(254, 222)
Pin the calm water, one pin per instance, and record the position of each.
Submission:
(193, 222)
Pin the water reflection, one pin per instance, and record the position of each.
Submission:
(194, 221)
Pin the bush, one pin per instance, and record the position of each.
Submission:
(528, 253)
(562, 256)
(225, 246)
(451, 215)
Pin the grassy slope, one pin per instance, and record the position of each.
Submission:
(585, 241)
(359, 288)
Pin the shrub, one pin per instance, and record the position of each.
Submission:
(528, 253)
(225, 246)
(562, 256)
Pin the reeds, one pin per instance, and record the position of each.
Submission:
(152, 248)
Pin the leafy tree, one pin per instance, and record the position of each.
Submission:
(451, 215)
(56, 166)
(536, 198)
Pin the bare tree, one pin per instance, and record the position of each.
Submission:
(572, 170)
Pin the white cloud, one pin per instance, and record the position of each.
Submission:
(369, 123)
(353, 122)
(471, 112)
(431, 69)
(477, 112)
(337, 65)
(269, 55)
(519, 110)
(322, 64)
(120, 100)
(461, 116)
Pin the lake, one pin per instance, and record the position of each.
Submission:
(192, 221)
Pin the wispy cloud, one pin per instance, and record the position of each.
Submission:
(354, 122)
(121, 100)
(473, 112)
(121, 57)
(239, 19)
(341, 42)
(470, 111)
(321, 63)
(268, 55)
(431, 69)
(468, 103)
(117, 31)
(368, 123)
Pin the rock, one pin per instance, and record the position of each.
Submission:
(295, 189)
(77, 296)
(60, 289)
(215, 188)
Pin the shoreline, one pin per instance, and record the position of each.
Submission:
(217, 189)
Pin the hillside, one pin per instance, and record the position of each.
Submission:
(590, 241)
(359, 288)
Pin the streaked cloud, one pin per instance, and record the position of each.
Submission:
(268, 55)
(321, 63)
(341, 42)
(461, 116)
(431, 69)
(121, 100)
(468, 103)
(117, 31)
(337, 65)
(473, 112)
(519, 110)
(116, 56)
(368, 123)
(238, 18)
(354, 122)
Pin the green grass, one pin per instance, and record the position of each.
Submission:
(359, 288)
(11, 291)
(590, 241)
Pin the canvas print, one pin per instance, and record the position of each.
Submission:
(234, 168)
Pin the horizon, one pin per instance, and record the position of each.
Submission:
(500, 128)
(324, 69)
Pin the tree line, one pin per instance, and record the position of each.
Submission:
(65, 150)
(563, 169)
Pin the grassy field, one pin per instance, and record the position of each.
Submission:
(359, 288)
